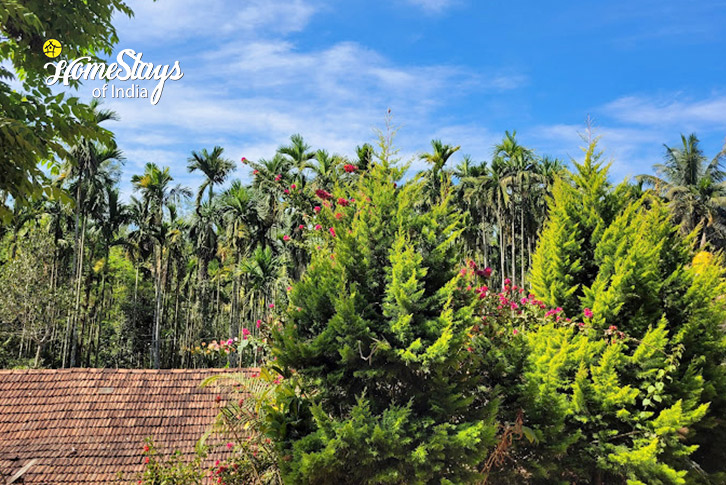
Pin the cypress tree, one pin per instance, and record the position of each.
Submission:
(379, 387)
(645, 284)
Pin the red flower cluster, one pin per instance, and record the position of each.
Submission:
(349, 168)
(343, 202)
(323, 194)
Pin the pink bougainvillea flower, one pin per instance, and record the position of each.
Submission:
(338, 215)
(245, 333)
(323, 194)
(271, 305)
(317, 228)
(285, 237)
(342, 201)
(507, 281)
(278, 178)
(286, 191)
(588, 313)
(316, 209)
(293, 186)
(515, 331)
(243, 159)
(349, 168)
(255, 172)
(230, 446)
(259, 322)
(332, 231)
(301, 227)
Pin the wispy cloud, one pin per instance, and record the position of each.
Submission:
(433, 6)
(701, 114)
(249, 93)
(185, 20)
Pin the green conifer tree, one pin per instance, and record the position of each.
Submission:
(580, 208)
(643, 279)
(379, 387)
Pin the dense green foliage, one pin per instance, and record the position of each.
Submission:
(647, 405)
(36, 125)
(160, 274)
(375, 335)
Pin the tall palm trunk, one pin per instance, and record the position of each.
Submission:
(157, 306)
(521, 243)
(514, 245)
(77, 305)
(502, 252)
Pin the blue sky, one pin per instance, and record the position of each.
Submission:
(257, 71)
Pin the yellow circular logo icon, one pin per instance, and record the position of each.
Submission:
(52, 48)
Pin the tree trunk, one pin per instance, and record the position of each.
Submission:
(521, 244)
(514, 258)
(501, 244)
(77, 305)
(157, 307)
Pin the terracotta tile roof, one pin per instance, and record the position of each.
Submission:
(86, 425)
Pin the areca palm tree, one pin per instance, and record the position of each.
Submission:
(298, 153)
(326, 169)
(238, 208)
(497, 195)
(435, 178)
(262, 273)
(86, 168)
(694, 188)
(158, 195)
(215, 168)
(520, 168)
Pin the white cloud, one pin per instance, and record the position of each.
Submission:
(184, 20)
(708, 113)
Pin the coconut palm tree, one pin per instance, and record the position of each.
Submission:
(694, 188)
